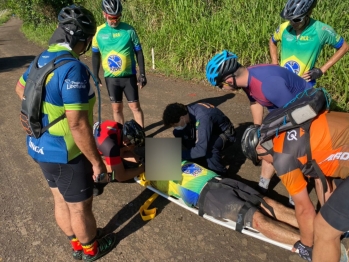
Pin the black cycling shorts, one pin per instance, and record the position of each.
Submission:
(336, 210)
(223, 201)
(73, 180)
(118, 85)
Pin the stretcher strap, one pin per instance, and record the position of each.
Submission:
(148, 214)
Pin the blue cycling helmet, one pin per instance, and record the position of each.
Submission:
(220, 66)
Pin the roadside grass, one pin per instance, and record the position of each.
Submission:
(185, 34)
(40, 34)
(4, 16)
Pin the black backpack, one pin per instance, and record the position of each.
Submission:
(299, 112)
(31, 115)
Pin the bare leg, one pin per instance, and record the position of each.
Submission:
(82, 220)
(62, 213)
(282, 213)
(322, 197)
(326, 241)
(118, 112)
(274, 229)
(137, 112)
(267, 173)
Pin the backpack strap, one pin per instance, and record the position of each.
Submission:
(311, 163)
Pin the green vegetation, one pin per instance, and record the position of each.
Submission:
(4, 16)
(186, 33)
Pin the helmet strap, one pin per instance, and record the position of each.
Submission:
(87, 47)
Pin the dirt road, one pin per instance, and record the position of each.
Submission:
(27, 224)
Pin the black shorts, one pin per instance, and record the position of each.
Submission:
(224, 201)
(336, 210)
(118, 85)
(73, 180)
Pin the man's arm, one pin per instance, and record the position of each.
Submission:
(121, 174)
(257, 113)
(305, 214)
(96, 64)
(20, 90)
(83, 137)
(203, 135)
(142, 80)
(336, 57)
(273, 49)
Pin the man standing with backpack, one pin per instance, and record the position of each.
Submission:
(66, 152)
(328, 145)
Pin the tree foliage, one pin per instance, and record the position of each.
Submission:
(37, 12)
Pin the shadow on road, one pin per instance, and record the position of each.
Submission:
(9, 63)
(216, 101)
(233, 155)
(130, 213)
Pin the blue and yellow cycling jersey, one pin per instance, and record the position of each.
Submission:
(299, 54)
(67, 88)
(117, 47)
(194, 178)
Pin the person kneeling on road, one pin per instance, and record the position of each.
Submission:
(116, 142)
(205, 132)
(225, 198)
(327, 141)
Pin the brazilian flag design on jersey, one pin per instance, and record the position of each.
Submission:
(117, 47)
(300, 53)
(194, 178)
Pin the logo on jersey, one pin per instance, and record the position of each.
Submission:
(37, 149)
(305, 38)
(73, 85)
(191, 169)
(337, 156)
(293, 66)
(329, 30)
(114, 63)
(292, 135)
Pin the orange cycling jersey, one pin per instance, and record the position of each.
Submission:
(329, 142)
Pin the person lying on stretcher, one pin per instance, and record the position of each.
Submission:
(225, 198)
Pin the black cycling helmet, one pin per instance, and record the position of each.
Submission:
(112, 7)
(297, 8)
(220, 66)
(134, 132)
(249, 143)
(83, 19)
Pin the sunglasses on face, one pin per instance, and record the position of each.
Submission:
(112, 18)
(297, 20)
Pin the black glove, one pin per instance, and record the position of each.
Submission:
(142, 80)
(315, 73)
(305, 252)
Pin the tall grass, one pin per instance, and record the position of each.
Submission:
(185, 34)
(4, 16)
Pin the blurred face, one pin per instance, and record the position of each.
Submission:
(228, 84)
(126, 141)
(113, 21)
(182, 123)
(264, 156)
(299, 23)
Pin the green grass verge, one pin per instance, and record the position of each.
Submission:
(185, 34)
(4, 16)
